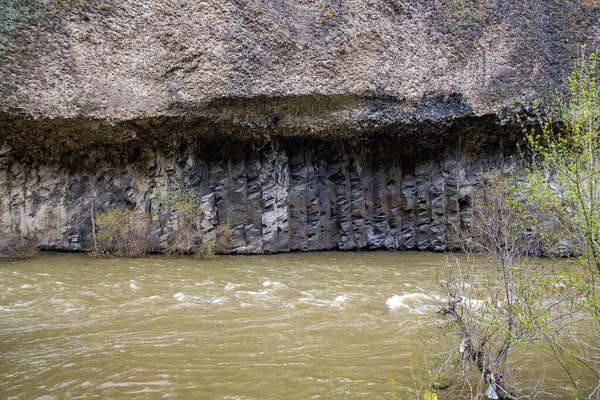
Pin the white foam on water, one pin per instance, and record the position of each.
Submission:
(249, 293)
(179, 296)
(413, 302)
(261, 298)
(231, 286)
(276, 284)
(339, 301)
(133, 285)
(473, 304)
(318, 298)
(64, 306)
(62, 385)
(394, 302)
(26, 286)
(130, 384)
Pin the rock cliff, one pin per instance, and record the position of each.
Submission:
(305, 125)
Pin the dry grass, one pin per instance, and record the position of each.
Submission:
(124, 233)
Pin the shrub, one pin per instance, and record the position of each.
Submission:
(185, 206)
(186, 203)
(207, 249)
(185, 240)
(223, 236)
(213, 246)
(564, 185)
(124, 233)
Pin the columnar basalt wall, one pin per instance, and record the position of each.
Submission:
(289, 195)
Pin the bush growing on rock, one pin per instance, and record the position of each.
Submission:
(186, 203)
(207, 249)
(123, 232)
(211, 247)
(191, 232)
(223, 236)
(186, 213)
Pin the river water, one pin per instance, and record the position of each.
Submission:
(290, 326)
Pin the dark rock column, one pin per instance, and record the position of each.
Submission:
(358, 208)
(253, 208)
(343, 208)
(409, 212)
(275, 177)
(299, 196)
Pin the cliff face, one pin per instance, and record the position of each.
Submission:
(288, 64)
(306, 124)
(294, 195)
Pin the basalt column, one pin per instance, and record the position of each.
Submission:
(297, 195)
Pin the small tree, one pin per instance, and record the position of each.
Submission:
(566, 181)
(521, 304)
(497, 298)
(564, 185)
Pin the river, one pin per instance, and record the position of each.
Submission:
(288, 326)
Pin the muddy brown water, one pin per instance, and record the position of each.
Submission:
(291, 326)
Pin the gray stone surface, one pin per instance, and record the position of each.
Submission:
(294, 65)
(296, 196)
(304, 125)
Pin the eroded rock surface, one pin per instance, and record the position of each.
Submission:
(294, 64)
(303, 125)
